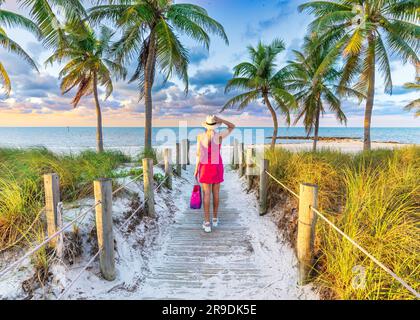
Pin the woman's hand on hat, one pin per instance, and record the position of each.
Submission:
(217, 119)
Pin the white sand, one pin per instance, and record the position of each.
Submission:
(350, 146)
(136, 253)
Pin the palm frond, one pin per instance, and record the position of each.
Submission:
(384, 64)
(239, 83)
(171, 55)
(242, 100)
(5, 80)
(13, 47)
(11, 19)
(199, 16)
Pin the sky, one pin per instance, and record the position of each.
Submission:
(37, 101)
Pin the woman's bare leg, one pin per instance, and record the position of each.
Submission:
(207, 194)
(216, 191)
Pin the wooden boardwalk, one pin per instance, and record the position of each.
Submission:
(220, 265)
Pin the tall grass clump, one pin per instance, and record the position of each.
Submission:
(22, 192)
(374, 197)
(150, 153)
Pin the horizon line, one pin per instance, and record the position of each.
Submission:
(198, 126)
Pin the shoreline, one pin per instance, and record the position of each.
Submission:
(343, 145)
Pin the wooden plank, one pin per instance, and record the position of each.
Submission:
(192, 259)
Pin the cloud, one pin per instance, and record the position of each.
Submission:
(35, 50)
(161, 83)
(214, 77)
(400, 90)
(14, 64)
(295, 44)
(198, 55)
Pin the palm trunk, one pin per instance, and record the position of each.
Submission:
(318, 114)
(275, 121)
(370, 96)
(99, 138)
(148, 85)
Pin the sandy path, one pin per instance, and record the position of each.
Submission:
(244, 258)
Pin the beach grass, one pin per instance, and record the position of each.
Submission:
(22, 192)
(374, 197)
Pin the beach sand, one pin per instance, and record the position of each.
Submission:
(348, 145)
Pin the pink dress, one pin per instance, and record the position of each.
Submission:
(210, 168)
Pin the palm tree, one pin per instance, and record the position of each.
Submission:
(415, 105)
(150, 30)
(260, 80)
(11, 19)
(315, 92)
(49, 14)
(88, 66)
(365, 32)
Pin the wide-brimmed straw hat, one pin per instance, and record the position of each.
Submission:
(211, 123)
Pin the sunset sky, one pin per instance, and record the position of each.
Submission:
(36, 99)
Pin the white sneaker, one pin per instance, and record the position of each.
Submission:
(215, 222)
(207, 227)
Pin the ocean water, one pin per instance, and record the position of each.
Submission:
(74, 139)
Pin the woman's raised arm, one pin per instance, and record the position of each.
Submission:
(230, 127)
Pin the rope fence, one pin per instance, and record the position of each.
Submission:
(141, 206)
(67, 289)
(103, 198)
(60, 231)
(312, 208)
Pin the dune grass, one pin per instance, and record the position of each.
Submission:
(373, 197)
(21, 186)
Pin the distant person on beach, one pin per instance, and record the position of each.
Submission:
(209, 165)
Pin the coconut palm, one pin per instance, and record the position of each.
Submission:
(87, 67)
(11, 19)
(261, 80)
(315, 92)
(365, 32)
(49, 16)
(150, 34)
(414, 105)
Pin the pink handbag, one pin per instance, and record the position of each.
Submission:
(195, 202)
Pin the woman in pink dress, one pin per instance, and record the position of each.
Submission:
(209, 165)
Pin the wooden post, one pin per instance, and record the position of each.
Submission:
(232, 156)
(249, 167)
(263, 187)
(184, 150)
(178, 160)
(241, 161)
(188, 151)
(59, 250)
(167, 154)
(235, 154)
(149, 197)
(306, 230)
(103, 195)
(52, 198)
